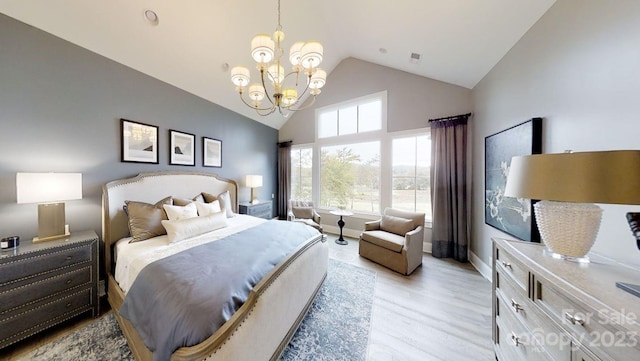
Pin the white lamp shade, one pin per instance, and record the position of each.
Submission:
(48, 187)
(254, 181)
(262, 48)
(294, 53)
(318, 79)
(311, 54)
(289, 96)
(240, 76)
(276, 73)
(256, 92)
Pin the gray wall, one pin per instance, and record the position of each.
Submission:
(60, 110)
(411, 101)
(579, 69)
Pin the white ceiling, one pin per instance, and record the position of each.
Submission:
(460, 40)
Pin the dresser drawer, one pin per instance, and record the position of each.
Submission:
(513, 269)
(41, 317)
(28, 294)
(37, 263)
(514, 339)
(596, 330)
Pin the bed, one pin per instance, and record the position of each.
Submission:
(262, 326)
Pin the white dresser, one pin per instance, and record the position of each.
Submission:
(550, 309)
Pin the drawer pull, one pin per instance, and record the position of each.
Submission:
(69, 282)
(506, 264)
(573, 319)
(515, 339)
(68, 304)
(516, 306)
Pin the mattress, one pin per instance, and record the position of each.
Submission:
(131, 258)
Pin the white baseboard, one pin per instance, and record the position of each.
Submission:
(483, 268)
(426, 247)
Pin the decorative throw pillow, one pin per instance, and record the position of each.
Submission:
(186, 228)
(145, 219)
(397, 225)
(184, 201)
(205, 209)
(176, 213)
(225, 201)
(303, 212)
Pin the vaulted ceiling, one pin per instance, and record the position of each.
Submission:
(196, 42)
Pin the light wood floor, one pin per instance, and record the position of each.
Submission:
(441, 312)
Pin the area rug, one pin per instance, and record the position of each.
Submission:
(336, 327)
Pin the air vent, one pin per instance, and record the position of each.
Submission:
(415, 58)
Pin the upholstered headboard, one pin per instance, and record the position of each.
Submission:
(150, 188)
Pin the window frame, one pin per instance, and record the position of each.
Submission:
(413, 133)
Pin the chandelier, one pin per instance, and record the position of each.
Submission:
(285, 98)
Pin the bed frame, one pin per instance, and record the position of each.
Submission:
(263, 326)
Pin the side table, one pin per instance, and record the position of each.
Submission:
(341, 213)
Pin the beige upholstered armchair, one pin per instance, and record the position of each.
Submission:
(395, 240)
(303, 211)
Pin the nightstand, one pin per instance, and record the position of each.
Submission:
(43, 284)
(261, 209)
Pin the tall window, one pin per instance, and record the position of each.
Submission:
(411, 162)
(349, 141)
(302, 173)
(350, 177)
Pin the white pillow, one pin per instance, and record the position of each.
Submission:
(186, 228)
(176, 213)
(226, 203)
(205, 209)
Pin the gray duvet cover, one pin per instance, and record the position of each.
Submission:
(183, 299)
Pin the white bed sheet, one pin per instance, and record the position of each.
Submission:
(131, 258)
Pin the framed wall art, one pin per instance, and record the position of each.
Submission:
(211, 152)
(182, 148)
(139, 142)
(510, 215)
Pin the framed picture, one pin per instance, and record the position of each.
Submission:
(510, 215)
(139, 142)
(182, 148)
(211, 152)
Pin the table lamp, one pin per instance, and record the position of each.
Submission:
(568, 184)
(48, 190)
(253, 182)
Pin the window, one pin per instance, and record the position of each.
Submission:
(350, 177)
(351, 118)
(411, 162)
(302, 173)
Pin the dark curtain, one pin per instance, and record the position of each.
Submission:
(284, 178)
(450, 232)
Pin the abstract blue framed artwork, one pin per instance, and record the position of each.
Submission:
(510, 215)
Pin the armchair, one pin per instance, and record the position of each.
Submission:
(395, 240)
(303, 211)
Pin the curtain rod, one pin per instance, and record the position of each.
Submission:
(285, 143)
(451, 117)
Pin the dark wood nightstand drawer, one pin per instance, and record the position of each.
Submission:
(28, 294)
(45, 283)
(25, 324)
(32, 265)
(261, 210)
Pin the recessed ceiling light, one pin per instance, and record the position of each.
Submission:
(151, 17)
